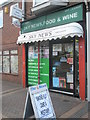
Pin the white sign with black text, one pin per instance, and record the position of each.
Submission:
(41, 101)
(16, 12)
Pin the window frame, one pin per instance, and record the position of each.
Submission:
(10, 54)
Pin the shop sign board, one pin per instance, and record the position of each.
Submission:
(16, 12)
(41, 101)
(72, 14)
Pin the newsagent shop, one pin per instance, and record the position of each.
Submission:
(54, 51)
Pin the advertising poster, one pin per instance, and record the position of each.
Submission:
(62, 82)
(71, 86)
(55, 81)
(70, 60)
(69, 77)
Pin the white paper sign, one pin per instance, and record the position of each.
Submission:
(41, 102)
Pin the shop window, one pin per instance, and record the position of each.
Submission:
(63, 66)
(6, 64)
(0, 61)
(14, 61)
(9, 61)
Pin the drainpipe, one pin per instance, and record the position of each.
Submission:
(88, 49)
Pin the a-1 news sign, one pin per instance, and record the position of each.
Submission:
(41, 102)
(16, 12)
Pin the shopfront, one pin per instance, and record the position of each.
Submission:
(54, 50)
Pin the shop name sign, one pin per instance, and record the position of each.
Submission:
(68, 15)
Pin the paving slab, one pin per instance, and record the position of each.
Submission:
(13, 103)
(8, 86)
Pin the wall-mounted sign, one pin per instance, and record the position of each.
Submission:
(1, 18)
(41, 102)
(68, 15)
(16, 12)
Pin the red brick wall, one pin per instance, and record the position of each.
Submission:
(28, 9)
(10, 35)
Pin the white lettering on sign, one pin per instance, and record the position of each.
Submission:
(70, 16)
(51, 21)
(40, 35)
(43, 105)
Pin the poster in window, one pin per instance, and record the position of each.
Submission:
(55, 81)
(14, 64)
(6, 64)
(70, 60)
(30, 52)
(69, 77)
(57, 47)
(55, 53)
(62, 82)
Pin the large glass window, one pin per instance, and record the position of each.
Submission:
(9, 61)
(6, 62)
(63, 65)
(0, 61)
(1, 18)
(14, 64)
(14, 61)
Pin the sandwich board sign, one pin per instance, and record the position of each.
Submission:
(40, 103)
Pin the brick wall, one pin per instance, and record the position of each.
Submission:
(10, 35)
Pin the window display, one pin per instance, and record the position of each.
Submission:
(63, 65)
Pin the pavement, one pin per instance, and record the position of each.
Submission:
(13, 101)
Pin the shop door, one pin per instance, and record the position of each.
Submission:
(32, 64)
(65, 67)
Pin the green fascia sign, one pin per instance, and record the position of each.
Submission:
(72, 14)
